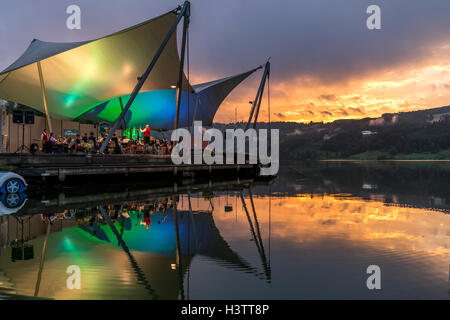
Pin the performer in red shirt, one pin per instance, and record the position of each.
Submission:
(146, 133)
(44, 138)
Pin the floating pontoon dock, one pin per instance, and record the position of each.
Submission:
(62, 166)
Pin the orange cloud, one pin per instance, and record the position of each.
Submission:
(411, 86)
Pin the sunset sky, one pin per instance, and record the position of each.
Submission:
(326, 64)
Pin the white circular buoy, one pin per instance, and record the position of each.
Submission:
(13, 186)
(11, 182)
(12, 200)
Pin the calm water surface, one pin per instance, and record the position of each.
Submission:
(310, 234)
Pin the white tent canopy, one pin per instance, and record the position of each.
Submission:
(80, 75)
(84, 80)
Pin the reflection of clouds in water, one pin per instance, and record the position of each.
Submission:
(305, 219)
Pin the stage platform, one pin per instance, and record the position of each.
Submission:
(62, 166)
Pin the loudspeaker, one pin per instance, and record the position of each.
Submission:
(29, 117)
(18, 116)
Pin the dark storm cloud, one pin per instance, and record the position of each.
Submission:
(325, 40)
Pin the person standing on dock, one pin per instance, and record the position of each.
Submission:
(44, 138)
(147, 131)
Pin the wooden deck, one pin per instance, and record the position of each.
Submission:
(62, 166)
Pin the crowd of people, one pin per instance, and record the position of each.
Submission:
(117, 145)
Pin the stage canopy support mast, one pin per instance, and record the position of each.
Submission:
(44, 97)
(183, 12)
(257, 102)
(183, 54)
(121, 108)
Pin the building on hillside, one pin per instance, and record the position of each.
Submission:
(368, 133)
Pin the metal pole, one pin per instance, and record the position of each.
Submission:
(181, 71)
(183, 11)
(121, 107)
(197, 101)
(44, 97)
(253, 106)
(263, 83)
(256, 221)
(178, 250)
(177, 235)
(257, 101)
(193, 223)
(257, 109)
(257, 239)
(139, 273)
(244, 205)
(41, 265)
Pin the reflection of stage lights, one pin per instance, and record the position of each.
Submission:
(173, 266)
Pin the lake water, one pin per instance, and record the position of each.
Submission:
(310, 234)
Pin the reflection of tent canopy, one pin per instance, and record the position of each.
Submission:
(96, 231)
(82, 75)
(106, 271)
(160, 237)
